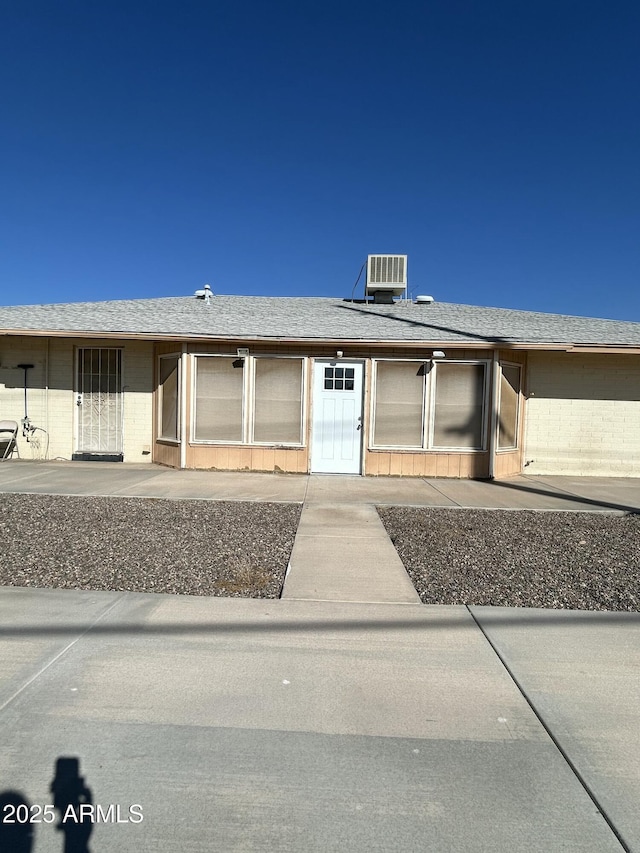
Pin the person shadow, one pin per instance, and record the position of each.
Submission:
(15, 836)
(69, 793)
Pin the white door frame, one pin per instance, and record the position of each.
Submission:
(337, 416)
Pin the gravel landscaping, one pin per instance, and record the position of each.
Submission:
(582, 561)
(146, 545)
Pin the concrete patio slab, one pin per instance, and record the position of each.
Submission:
(581, 671)
(515, 493)
(324, 488)
(284, 725)
(616, 493)
(223, 486)
(76, 478)
(150, 480)
(343, 553)
(153, 481)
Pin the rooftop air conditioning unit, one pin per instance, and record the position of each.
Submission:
(386, 277)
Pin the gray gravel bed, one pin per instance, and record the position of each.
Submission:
(582, 561)
(146, 544)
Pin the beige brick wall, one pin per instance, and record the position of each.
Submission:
(52, 398)
(14, 351)
(583, 415)
(137, 380)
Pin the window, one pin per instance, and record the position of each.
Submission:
(509, 405)
(338, 378)
(429, 405)
(168, 410)
(218, 401)
(399, 403)
(251, 399)
(459, 405)
(277, 395)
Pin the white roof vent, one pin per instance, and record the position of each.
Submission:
(386, 277)
(206, 293)
(424, 300)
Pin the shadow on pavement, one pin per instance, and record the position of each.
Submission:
(566, 496)
(18, 817)
(16, 835)
(504, 616)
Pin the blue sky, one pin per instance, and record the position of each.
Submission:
(268, 147)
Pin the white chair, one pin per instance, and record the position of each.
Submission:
(8, 440)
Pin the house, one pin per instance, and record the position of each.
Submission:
(383, 387)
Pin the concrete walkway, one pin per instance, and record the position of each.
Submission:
(343, 553)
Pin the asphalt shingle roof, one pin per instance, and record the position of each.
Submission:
(316, 319)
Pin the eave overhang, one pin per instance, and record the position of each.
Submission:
(433, 343)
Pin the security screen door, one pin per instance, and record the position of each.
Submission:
(336, 439)
(99, 400)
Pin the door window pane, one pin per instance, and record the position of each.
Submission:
(459, 405)
(339, 379)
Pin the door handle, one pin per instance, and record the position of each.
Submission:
(79, 400)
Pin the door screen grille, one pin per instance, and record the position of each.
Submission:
(100, 400)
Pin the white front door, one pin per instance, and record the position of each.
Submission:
(336, 437)
(99, 400)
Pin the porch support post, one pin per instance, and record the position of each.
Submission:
(183, 406)
(493, 420)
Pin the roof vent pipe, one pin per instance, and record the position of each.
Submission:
(424, 300)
